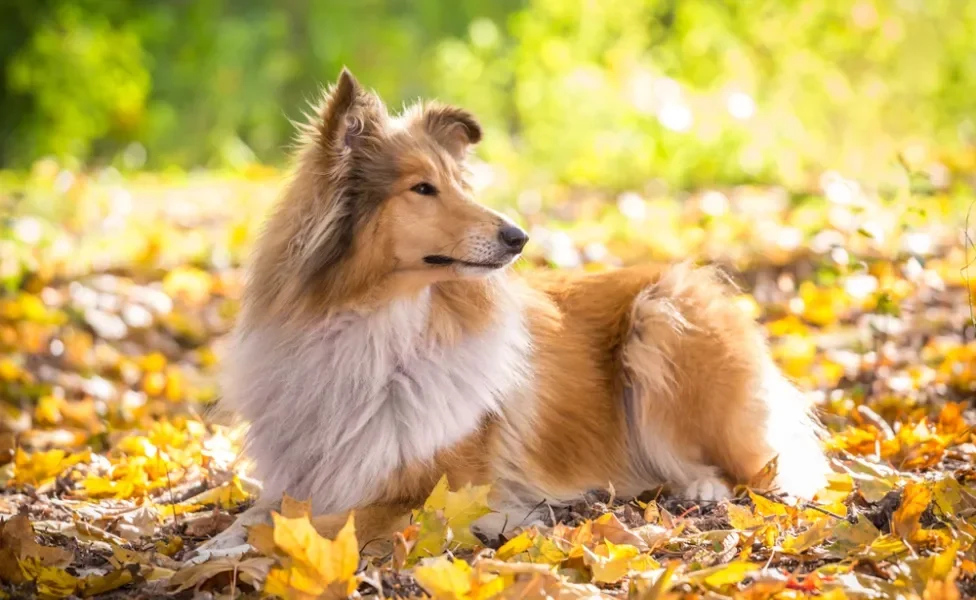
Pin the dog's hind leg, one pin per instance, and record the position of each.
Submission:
(706, 400)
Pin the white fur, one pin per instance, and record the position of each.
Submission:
(334, 410)
(792, 433)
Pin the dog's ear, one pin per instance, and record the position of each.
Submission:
(454, 128)
(350, 116)
(345, 130)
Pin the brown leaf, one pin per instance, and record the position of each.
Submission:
(261, 538)
(17, 544)
(254, 569)
(609, 527)
(765, 479)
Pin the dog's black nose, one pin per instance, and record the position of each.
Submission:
(513, 237)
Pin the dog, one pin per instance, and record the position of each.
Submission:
(383, 342)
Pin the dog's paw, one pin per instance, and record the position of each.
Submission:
(707, 489)
(230, 542)
(202, 555)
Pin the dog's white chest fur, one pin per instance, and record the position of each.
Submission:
(333, 411)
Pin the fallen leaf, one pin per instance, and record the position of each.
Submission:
(113, 580)
(253, 569)
(812, 536)
(915, 499)
(722, 576)
(315, 561)
(765, 479)
(743, 518)
(608, 527)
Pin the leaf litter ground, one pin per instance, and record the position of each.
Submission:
(111, 328)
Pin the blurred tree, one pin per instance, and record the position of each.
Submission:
(574, 91)
(617, 91)
(207, 82)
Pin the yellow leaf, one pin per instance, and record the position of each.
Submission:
(850, 537)
(464, 507)
(809, 538)
(444, 578)
(515, 546)
(948, 495)
(51, 582)
(432, 536)
(915, 499)
(48, 410)
(652, 514)
(743, 518)
(724, 575)
(766, 507)
(446, 519)
(884, 547)
(94, 585)
(839, 487)
(437, 499)
(228, 495)
(332, 561)
(610, 562)
(41, 468)
(545, 550)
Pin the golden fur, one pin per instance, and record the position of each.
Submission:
(635, 377)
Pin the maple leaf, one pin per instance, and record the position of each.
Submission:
(454, 579)
(769, 508)
(461, 508)
(313, 565)
(743, 518)
(445, 520)
(915, 499)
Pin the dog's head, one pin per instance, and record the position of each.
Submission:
(383, 197)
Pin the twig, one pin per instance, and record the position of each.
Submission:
(866, 413)
(823, 510)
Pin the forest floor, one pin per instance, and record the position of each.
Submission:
(117, 294)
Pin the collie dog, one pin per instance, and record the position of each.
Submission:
(383, 342)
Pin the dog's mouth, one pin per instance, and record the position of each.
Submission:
(439, 260)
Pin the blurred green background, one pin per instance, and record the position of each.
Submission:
(608, 93)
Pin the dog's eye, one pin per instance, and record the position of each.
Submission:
(424, 189)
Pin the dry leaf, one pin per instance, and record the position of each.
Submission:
(915, 499)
